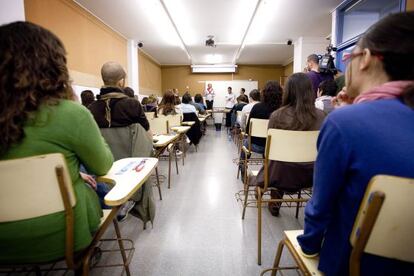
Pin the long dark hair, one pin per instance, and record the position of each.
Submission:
(393, 38)
(300, 98)
(32, 72)
(168, 103)
(272, 94)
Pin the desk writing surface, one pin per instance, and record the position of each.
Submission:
(188, 123)
(126, 179)
(163, 140)
(180, 129)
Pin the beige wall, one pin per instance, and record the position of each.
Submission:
(181, 76)
(88, 42)
(410, 5)
(149, 75)
(288, 70)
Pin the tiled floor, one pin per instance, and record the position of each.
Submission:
(198, 228)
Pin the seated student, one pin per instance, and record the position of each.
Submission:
(271, 98)
(296, 113)
(129, 92)
(152, 104)
(198, 99)
(168, 106)
(197, 106)
(374, 135)
(144, 102)
(39, 116)
(87, 97)
(113, 107)
(326, 92)
(242, 101)
(254, 98)
(189, 114)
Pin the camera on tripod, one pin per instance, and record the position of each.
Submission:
(326, 62)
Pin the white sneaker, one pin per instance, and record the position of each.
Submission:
(178, 152)
(188, 141)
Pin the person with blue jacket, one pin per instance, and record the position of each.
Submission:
(374, 135)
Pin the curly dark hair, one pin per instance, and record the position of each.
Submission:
(32, 72)
(271, 94)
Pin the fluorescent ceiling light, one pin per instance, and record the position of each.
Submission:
(262, 21)
(160, 22)
(229, 68)
(183, 19)
(214, 58)
(239, 20)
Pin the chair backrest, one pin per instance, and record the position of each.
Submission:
(150, 115)
(159, 125)
(291, 145)
(392, 224)
(34, 186)
(174, 120)
(258, 127)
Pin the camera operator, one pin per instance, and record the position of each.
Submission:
(314, 74)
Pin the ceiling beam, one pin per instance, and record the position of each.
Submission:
(176, 29)
(242, 44)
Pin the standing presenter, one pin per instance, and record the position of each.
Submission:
(209, 95)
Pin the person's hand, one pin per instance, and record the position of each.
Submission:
(89, 179)
(342, 99)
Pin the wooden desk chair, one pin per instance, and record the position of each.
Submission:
(174, 120)
(380, 215)
(160, 126)
(40, 185)
(285, 146)
(258, 129)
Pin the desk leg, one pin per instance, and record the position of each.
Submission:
(158, 182)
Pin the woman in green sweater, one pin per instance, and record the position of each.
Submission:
(38, 116)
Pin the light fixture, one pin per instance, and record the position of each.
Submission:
(222, 68)
(214, 58)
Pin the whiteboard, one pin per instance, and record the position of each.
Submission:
(220, 89)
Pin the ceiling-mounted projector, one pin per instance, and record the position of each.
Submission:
(210, 41)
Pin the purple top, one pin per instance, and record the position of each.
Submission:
(316, 78)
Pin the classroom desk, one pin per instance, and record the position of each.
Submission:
(126, 179)
(163, 141)
(188, 123)
(180, 129)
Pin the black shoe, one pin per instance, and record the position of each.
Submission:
(124, 210)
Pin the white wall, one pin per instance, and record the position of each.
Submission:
(11, 10)
(133, 73)
(306, 46)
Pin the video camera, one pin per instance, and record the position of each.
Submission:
(326, 62)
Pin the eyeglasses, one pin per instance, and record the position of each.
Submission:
(347, 57)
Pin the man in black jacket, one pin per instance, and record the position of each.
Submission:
(113, 107)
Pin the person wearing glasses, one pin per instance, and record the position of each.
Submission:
(373, 134)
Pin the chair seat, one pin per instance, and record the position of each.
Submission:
(106, 213)
(310, 263)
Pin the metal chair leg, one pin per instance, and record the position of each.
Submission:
(298, 204)
(259, 226)
(278, 256)
(158, 182)
(246, 195)
(176, 162)
(169, 169)
(121, 247)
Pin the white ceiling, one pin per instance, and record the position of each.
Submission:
(159, 24)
